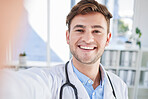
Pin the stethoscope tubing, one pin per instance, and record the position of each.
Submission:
(68, 83)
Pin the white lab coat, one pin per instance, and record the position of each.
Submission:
(58, 74)
(37, 83)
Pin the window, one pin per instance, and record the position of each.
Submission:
(58, 12)
(122, 21)
(43, 29)
(35, 37)
(121, 24)
(33, 32)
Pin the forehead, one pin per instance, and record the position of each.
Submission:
(91, 19)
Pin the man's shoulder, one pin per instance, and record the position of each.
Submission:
(57, 71)
(57, 68)
(45, 70)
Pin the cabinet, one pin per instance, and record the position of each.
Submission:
(125, 63)
(142, 86)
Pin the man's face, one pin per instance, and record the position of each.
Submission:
(88, 37)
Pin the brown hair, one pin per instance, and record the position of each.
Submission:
(87, 6)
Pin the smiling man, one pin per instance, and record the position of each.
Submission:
(87, 39)
(88, 34)
(83, 76)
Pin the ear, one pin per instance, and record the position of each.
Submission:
(108, 38)
(67, 36)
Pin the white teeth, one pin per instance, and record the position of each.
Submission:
(83, 47)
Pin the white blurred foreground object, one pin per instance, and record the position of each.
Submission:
(28, 84)
(11, 13)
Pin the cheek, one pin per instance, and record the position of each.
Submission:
(101, 41)
(74, 38)
(72, 41)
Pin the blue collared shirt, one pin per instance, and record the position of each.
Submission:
(87, 82)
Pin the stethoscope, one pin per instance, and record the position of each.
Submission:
(67, 83)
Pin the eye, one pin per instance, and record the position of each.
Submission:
(79, 30)
(96, 31)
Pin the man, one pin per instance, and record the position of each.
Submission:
(87, 35)
(83, 77)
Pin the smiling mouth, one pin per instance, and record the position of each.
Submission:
(87, 48)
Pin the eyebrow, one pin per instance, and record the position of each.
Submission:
(97, 26)
(82, 26)
(79, 26)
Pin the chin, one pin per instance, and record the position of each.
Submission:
(87, 61)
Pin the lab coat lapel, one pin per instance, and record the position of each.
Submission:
(108, 92)
(82, 93)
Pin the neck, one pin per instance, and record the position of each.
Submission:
(90, 70)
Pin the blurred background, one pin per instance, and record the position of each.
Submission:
(44, 27)
(41, 37)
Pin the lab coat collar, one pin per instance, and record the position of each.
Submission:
(108, 92)
(82, 93)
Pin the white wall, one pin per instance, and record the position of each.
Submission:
(141, 19)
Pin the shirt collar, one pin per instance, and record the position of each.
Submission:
(86, 80)
(103, 77)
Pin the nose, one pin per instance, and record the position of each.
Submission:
(88, 37)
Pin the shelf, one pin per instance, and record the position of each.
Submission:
(110, 67)
(143, 87)
(122, 48)
(131, 86)
(130, 65)
(144, 69)
(127, 68)
(30, 64)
